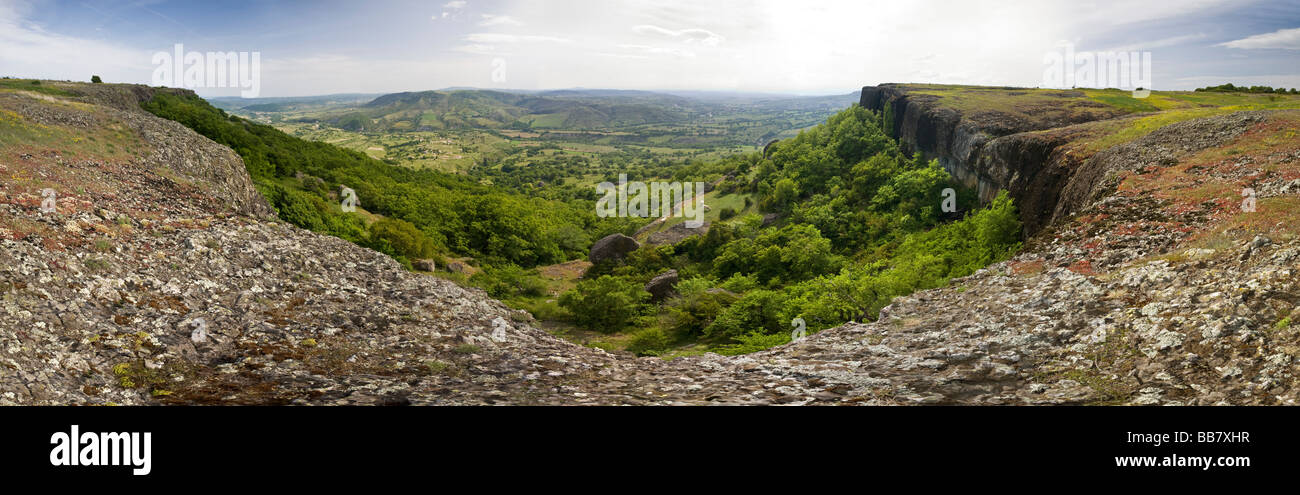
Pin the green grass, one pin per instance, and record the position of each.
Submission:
(1123, 100)
(113, 140)
(44, 87)
(1051, 106)
(466, 349)
(1128, 130)
(1030, 104)
(716, 203)
(96, 264)
(1125, 131)
(548, 121)
(1246, 101)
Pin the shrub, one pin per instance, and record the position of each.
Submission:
(606, 304)
(547, 310)
(96, 79)
(791, 253)
(740, 283)
(758, 310)
(649, 260)
(466, 349)
(689, 314)
(650, 342)
(753, 342)
(400, 238)
(509, 280)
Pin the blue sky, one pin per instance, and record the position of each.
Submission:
(809, 47)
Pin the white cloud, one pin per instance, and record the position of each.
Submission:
(27, 49)
(499, 20)
(477, 49)
(452, 8)
(1285, 39)
(659, 50)
(487, 38)
(1160, 43)
(694, 35)
(619, 55)
(333, 73)
(810, 46)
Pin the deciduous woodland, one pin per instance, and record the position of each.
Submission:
(827, 226)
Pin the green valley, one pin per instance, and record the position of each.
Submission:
(825, 224)
(497, 188)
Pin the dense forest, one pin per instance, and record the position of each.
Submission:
(859, 223)
(426, 214)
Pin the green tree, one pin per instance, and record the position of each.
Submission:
(400, 238)
(784, 193)
(757, 311)
(695, 307)
(453, 211)
(607, 304)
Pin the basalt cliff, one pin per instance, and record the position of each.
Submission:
(160, 276)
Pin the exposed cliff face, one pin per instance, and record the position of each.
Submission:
(988, 150)
(1027, 154)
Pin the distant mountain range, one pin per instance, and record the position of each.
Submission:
(290, 103)
(595, 109)
(496, 109)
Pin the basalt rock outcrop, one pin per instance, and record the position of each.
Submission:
(987, 150)
(675, 234)
(1097, 176)
(662, 286)
(612, 247)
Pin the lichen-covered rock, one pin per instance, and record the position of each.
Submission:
(677, 233)
(662, 286)
(461, 267)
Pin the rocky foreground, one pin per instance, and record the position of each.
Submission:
(160, 278)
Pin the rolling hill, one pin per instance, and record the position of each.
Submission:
(573, 109)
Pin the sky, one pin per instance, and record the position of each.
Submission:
(801, 47)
